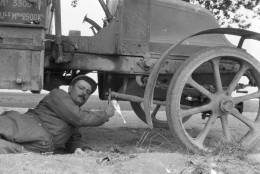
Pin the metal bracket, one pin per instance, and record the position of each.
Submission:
(147, 63)
(58, 50)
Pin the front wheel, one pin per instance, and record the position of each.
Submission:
(228, 67)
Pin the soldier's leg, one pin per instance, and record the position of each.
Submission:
(7, 127)
(24, 130)
(9, 147)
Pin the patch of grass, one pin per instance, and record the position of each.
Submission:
(228, 157)
(230, 150)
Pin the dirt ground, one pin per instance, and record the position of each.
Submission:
(130, 148)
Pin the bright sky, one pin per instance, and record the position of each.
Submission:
(72, 17)
(252, 46)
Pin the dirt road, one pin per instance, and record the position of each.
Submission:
(126, 148)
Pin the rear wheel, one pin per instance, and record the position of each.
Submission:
(158, 114)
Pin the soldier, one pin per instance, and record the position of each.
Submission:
(54, 123)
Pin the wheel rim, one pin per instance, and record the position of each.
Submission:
(220, 101)
(159, 120)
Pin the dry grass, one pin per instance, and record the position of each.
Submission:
(230, 150)
(226, 158)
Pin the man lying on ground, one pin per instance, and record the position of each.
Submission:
(54, 123)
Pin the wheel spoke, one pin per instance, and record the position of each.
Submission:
(242, 118)
(184, 113)
(203, 134)
(226, 131)
(199, 87)
(249, 140)
(156, 109)
(236, 79)
(247, 97)
(218, 82)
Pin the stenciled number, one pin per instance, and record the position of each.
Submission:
(21, 3)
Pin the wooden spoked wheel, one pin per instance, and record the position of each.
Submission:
(157, 113)
(210, 79)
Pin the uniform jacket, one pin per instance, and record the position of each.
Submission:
(62, 118)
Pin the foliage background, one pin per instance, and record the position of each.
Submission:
(232, 13)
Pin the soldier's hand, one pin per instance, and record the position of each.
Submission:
(83, 150)
(79, 151)
(110, 111)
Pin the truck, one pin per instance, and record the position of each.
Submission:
(167, 54)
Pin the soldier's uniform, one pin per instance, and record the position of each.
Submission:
(53, 124)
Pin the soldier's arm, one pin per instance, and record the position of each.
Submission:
(63, 106)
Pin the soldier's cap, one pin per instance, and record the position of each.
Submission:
(89, 80)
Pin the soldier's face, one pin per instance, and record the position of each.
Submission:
(80, 92)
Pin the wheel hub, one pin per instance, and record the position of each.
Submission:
(227, 105)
